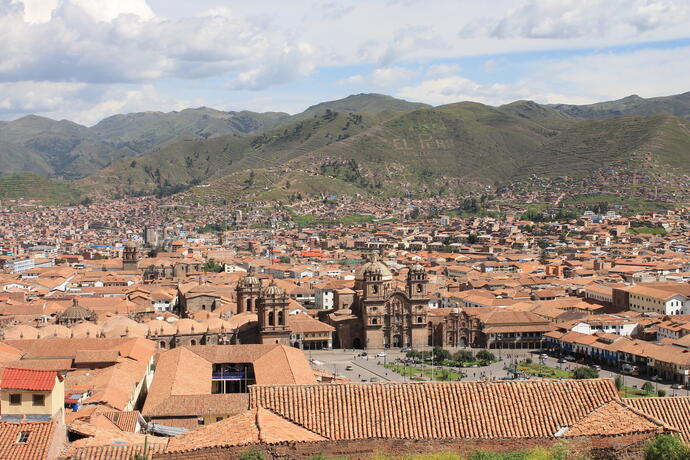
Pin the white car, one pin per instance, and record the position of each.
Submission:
(381, 355)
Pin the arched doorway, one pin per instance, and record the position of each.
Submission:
(356, 342)
(397, 341)
(463, 342)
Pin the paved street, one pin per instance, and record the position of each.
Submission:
(336, 361)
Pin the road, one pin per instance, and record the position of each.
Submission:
(336, 361)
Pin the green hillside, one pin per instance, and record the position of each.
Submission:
(35, 187)
(678, 105)
(456, 148)
(371, 103)
(194, 160)
(66, 149)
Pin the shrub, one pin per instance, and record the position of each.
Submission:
(661, 393)
(252, 455)
(463, 356)
(666, 447)
(648, 387)
(585, 373)
(485, 356)
(619, 382)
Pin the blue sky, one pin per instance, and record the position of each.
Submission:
(87, 59)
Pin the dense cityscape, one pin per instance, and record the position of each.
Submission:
(318, 230)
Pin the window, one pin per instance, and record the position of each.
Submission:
(23, 437)
(39, 400)
(270, 318)
(15, 400)
(200, 420)
(218, 419)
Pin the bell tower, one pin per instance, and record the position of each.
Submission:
(248, 290)
(417, 282)
(130, 257)
(272, 310)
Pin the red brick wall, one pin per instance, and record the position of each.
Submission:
(613, 448)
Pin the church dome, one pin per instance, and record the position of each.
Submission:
(272, 290)
(374, 267)
(417, 268)
(250, 281)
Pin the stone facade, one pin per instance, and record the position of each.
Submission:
(380, 315)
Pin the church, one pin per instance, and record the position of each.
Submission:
(378, 314)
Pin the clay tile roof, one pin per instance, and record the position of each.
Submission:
(117, 452)
(613, 418)
(35, 448)
(251, 427)
(475, 410)
(96, 356)
(671, 410)
(28, 379)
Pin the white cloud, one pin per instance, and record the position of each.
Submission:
(352, 80)
(576, 80)
(556, 19)
(278, 66)
(101, 41)
(442, 70)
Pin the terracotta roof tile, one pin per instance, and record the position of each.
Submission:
(479, 410)
(28, 379)
(36, 446)
(674, 411)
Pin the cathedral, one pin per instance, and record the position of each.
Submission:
(270, 303)
(378, 314)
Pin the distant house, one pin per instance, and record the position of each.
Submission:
(32, 392)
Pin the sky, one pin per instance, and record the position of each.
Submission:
(85, 60)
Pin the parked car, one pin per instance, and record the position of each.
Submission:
(656, 378)
(543, 356)
(381, 355)
(561, 360)
(364, 353)
(374, 379)
(677, 386)
(406, 350)
(570, 358)
(348, 368)
(596, 367)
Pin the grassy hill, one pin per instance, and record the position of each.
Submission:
(367, 144)
(35, 187)
(456, 148)
(194, 160)
(370, 103)
(66, 149)
(678, 105)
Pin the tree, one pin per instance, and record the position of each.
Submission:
(213, 266)
(485, 356)
(648, 387)
(661, 393)
(619, 382)
(666, 447)
(440, 354)
(585, 373)
(463, 356)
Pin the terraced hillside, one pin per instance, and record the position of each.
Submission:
(35, 187)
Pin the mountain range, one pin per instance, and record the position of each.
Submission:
(367, 144)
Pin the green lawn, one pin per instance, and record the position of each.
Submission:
(542, 370)
(422, 373)
(629, 392)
